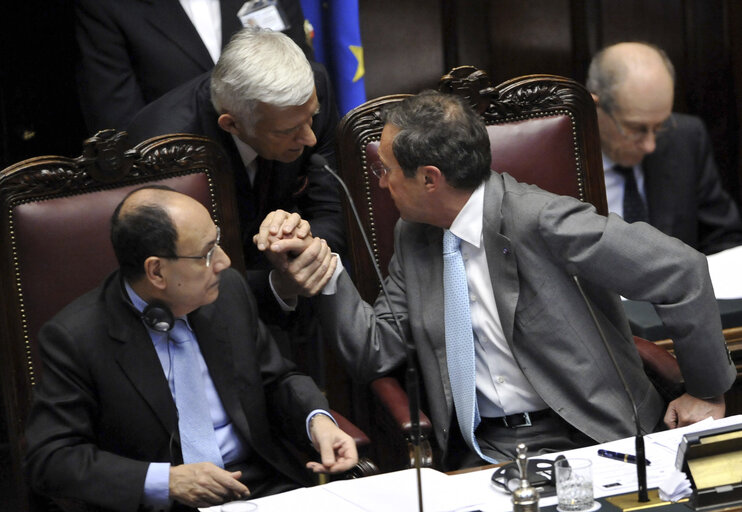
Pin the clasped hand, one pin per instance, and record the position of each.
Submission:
(304, 264)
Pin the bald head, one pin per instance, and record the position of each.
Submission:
(145, 224)
(624, 71)
(633, 87)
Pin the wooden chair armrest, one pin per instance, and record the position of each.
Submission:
(394, 399)
(358, 435)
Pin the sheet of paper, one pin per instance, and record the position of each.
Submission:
(308, 499)
(397, 491)
(725, 269)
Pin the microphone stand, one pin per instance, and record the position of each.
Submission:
(411, 374)
(641, 459)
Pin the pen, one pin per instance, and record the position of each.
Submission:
(619, 456)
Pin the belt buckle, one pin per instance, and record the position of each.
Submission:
(526, 423)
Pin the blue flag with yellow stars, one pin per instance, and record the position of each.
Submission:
(337, 45)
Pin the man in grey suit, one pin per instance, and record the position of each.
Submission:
(659, 165)
(542, 375)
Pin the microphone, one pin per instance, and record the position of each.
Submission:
(413, 389)
(641, 459)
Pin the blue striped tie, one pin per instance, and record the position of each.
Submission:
(460, 341)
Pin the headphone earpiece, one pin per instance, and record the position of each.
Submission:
(158, 317)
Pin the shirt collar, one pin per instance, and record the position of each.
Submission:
(136, 300)
(247, 153)
(468, 223)
(139, 303)
(607, 162)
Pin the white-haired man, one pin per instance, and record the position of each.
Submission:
(270, 109)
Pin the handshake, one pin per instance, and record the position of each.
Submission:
(303, 263)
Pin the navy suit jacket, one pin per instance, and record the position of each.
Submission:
(134, 51)
(296, 187)
(103, 409)
(684, 193)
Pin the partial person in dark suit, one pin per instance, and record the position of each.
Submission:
(536, 370)
(107, 428)
(270, 110)
(659, 165)
(134, 51)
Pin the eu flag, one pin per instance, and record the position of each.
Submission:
(337, 45)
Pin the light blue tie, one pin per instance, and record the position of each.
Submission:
(460, 341)
(197, 437)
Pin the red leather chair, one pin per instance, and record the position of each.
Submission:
(543, 130)
(55, 228)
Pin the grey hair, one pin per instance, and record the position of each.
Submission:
(605, 75)
(260, 65)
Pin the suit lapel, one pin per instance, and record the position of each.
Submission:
(137, 357)
(168, 17)
(661, 202)
(217, 352)
(230, 22)
(500, 256)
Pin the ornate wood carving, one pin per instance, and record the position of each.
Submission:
(105, 159)
(501, 104)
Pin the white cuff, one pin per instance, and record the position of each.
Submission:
(315, 413)
(332, 285)
(288, 305)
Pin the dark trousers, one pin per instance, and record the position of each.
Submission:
(548, 434)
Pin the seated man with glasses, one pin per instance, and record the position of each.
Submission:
(161, 389)
(659, 165)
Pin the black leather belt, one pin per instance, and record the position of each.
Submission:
(521, 419)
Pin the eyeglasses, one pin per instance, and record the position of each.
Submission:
(636, 133)
(379, 169)
(208, 256)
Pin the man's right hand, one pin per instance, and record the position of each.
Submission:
(304, 264)
(203, 484)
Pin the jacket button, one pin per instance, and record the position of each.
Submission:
(506, 251)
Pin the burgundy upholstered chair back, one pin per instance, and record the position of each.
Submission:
(543, 130)
(56, 245)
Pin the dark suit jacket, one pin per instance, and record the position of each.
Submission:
(296, 187)
(103, 410)
(535, 242)
(684, 193)
(134, 51)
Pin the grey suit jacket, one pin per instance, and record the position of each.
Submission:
(535, 242)
(103, 410)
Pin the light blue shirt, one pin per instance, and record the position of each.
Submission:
(231, 445)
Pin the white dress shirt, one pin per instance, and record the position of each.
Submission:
(206, 16)
(502, 388)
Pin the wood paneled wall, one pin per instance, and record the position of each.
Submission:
(408, 43)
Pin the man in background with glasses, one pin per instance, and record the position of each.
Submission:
(659, 166)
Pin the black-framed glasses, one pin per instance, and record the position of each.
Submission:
(638, 132)
(208, 256)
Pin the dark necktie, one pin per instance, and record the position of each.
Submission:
(634, 209)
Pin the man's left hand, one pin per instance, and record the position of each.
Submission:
(687, 409)
(337, 449)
